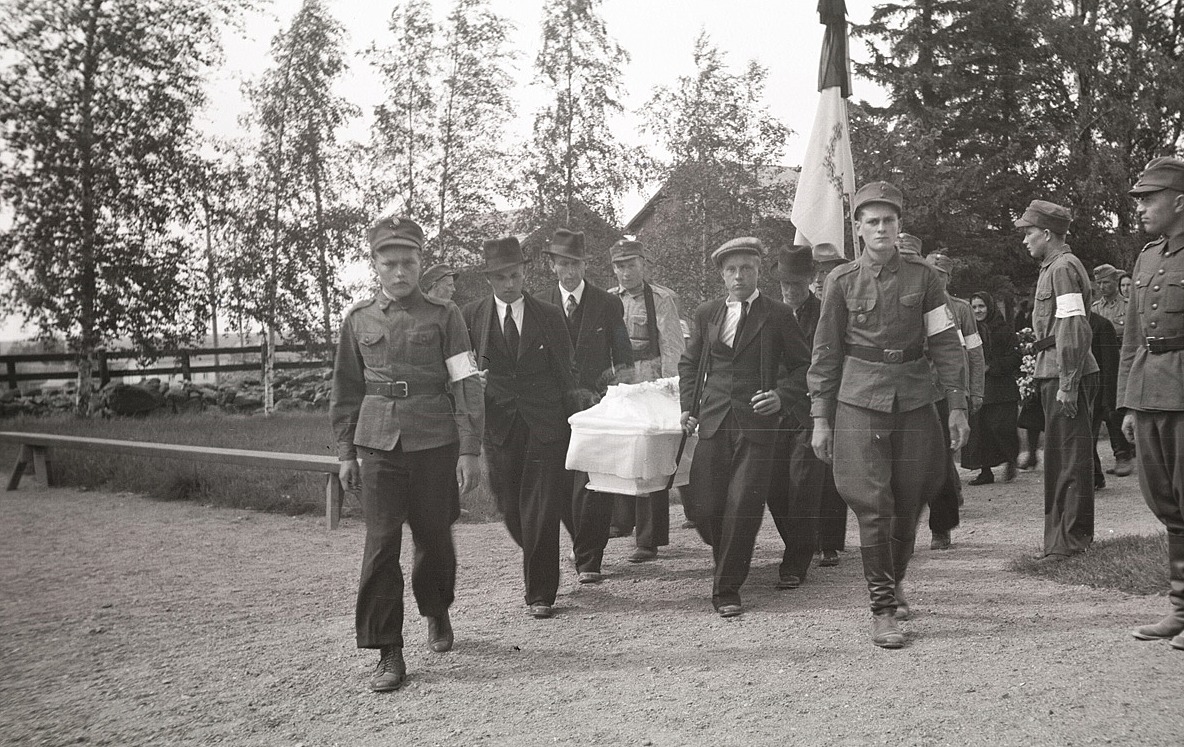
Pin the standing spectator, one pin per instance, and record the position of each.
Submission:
(1112, 307)
(439, 281)
(1124, 285)
(994, 439)
(1105, 348)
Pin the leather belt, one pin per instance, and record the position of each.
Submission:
(403, 389)
(877, 355)
(1045, 343)
(1165, 344)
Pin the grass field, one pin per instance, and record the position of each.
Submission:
(278, 491)
(1136, 564)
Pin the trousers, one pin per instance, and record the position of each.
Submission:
(1068, 469)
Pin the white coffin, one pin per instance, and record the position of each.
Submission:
(627, 442)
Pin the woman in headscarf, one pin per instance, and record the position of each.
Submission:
(993, 436)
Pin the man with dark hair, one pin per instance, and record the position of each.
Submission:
(873, 392)
(406, 395)
(1067, 376)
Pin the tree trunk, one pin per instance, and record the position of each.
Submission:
(568, 124)
(88, 284)
(322, 246)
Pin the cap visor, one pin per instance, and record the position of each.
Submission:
(1145, 189)
(1021, 223)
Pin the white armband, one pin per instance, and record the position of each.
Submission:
(961, 338)
(938, 320)
(461, 366)
(1069, 305)
(974, 341)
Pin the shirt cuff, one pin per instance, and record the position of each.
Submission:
(470, 445)
(956, 398)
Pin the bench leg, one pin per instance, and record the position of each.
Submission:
(43, 465)
(334, 496)
(23, 457)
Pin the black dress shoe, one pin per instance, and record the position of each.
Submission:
(829, 559)
(730, 610)
(789, 581)
(541, 611)
(1099, 482)
(391, 672)
(440, 633)
(986, 477)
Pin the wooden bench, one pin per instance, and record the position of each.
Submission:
(35, 448)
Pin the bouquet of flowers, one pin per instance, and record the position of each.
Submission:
(1027, 364)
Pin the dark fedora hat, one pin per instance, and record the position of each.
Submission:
(502, 253)
(568, 244)
(794, 263)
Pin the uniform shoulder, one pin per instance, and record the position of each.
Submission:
(365, 302)
(847, 269)
(1157, 243)
(661, 290)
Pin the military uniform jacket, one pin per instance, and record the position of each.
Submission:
(538, 384)
(1060, 309)
(769, 354)
(1153, 381)
(670, 342)
(972, 345)
(897, 306)
(423, 342)
(1113, 311)
(597, 330)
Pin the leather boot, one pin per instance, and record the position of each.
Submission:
(440, 633)
(1171, 626)
(902, 553)
(391, 672)
(877, 569)
(885, 631)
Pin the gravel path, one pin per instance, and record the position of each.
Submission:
(125, 621)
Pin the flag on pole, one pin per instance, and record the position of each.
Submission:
(828, 173)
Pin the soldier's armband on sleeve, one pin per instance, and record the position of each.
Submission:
(461, 366)
(938, 320)
(1070, 305)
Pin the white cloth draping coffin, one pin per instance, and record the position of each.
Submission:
(627, 442)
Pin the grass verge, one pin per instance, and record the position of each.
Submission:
(274, 490)
(1136, 564)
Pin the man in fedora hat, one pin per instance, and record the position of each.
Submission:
(747, 361)
(1150, 386)
(406, 397)
(439, 281)
(1067, 377)
(1111, 305)
(872, 395)
(523, 346)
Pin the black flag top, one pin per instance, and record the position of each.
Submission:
(832, 69)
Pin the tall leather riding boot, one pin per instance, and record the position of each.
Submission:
(902, 553)
(1171, 626)
(877, 569)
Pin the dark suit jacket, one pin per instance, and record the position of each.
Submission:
(807, 318)
(599, 337)
(770, 354)
(539, 384)
(1105, 346)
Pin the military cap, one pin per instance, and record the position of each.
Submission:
(826, 252)
(1160, 173)
(1045, 214)
(941, 262)
(1102, 272)
(909, 244)
(501, 254)
(794, 263)
(435, 274)
(391, 233)
(745, 244)
(884, 192)
(626, 249)
(568, 244)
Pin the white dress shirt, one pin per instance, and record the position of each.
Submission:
(727, 333)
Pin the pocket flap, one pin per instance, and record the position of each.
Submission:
(911, 299)
(861, 304)
(370, 338)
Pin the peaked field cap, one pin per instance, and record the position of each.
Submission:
(390, 233)
(744, 244)
(1102, 272)
(884, 192)
(794, 263)
(626, 249)
(567, 243)
(435, 274)
(1160, 173)
(1045, 214)
(910, 244)
(501, 254)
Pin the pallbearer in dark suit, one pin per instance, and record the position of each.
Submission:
(596, 326)
(752, 355)
(523, 346)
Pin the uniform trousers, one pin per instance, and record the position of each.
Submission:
(886, 465)
(647, 517)
(943, 504)
(417, 488)
(832, 516)
(592, 513)
(1068, 469)
(730, 482)
(1122, 448)
(1159, 448)
(531, 487)
(795, 492)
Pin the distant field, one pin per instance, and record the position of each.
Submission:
(278, 491)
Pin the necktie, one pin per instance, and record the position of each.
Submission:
(570, 306)
(511, 331)
(740, 324)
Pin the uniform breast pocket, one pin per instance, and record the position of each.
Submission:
(1173, 299)
(861, 312)
(374, 348)
(912, 300)
(423, 344)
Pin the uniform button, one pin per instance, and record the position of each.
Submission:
(1153, 324)
(861, 318)
(1155, 287)
(1155, 306)
(1161, 271)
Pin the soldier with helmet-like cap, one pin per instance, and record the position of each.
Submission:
(1150, 384)
(439, 281)
(873, 395)
(407, 399)
(1111, 306)
(1067, 378)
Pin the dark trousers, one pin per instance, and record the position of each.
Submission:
(1068, 469)
(832, 516)
(886, 465)
(417, 488)
(647, 517)
(730, 481)
(531, 487)
(592, 513)
(1159, 448)
(943, 504)
(1122, 448)
(795, 492)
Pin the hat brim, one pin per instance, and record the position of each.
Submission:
(396, 243)
(627, 257)
(1021, 223)
(1145, 189)
(560, 252)
(503, 265)
(721, 256)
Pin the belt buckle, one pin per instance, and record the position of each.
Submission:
(894, 356)
(399, 390)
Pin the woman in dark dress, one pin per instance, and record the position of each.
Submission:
(993, 436)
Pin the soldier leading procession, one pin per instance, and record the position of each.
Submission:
(858, 393)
